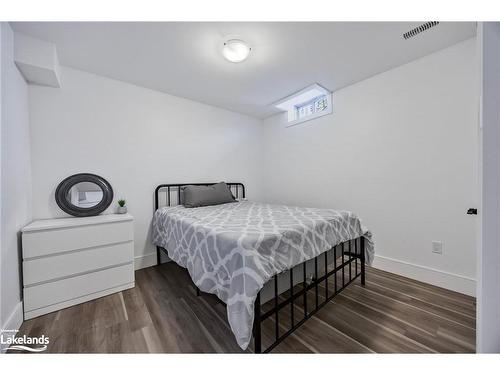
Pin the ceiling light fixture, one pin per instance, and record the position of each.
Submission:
(236, 50)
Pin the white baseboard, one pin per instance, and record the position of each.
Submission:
(146, 260)
(13, 322)
(448, 280)
(149, 260)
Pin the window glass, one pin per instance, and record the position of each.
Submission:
(321, 104)
(317, 105)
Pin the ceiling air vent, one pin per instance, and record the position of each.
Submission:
(419, 29)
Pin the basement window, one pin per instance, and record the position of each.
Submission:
(310, 103)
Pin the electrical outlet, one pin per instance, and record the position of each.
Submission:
(437, 247)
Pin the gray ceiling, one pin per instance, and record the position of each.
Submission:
(184, 59)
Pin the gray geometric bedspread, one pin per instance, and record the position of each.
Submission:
(233, 249)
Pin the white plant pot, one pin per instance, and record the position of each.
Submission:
(122, 210)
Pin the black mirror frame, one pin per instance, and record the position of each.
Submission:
(66, 184)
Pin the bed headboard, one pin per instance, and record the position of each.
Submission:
(170, 194)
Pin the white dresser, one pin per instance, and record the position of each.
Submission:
(68, 261)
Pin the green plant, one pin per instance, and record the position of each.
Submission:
(122, 202)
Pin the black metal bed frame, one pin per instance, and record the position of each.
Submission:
(344, 270)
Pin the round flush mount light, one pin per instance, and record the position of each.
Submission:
(235, 50)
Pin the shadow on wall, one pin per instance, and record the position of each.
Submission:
(54, 208)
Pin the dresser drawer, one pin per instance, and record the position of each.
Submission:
(54, 292)
(37, 270)
(52, 241)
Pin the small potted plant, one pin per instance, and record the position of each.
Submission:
(122, 209)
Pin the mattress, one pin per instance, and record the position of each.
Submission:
(232, 250)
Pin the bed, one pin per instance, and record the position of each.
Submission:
(252, 254)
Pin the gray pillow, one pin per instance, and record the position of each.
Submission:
(197, 196)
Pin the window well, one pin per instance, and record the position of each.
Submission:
(307, 104)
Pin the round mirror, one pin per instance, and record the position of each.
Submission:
(84, 194)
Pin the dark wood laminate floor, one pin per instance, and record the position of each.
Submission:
(162, 314)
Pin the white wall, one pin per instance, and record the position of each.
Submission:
(136, 138)
(400, 149)
(488, 301)
(16, 202)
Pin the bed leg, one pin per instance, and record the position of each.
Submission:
(362, 258)
(158, 258)
(256, 326)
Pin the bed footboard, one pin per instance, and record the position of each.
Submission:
(351, 266)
